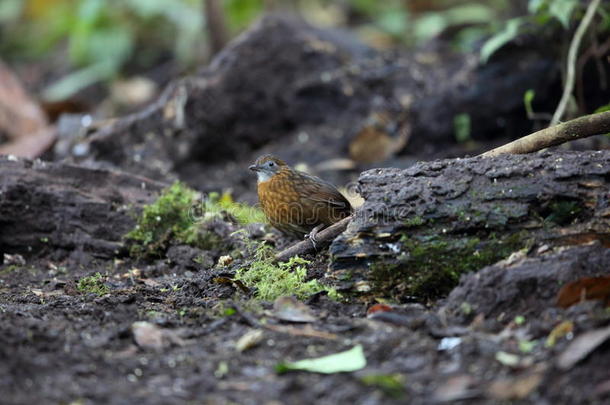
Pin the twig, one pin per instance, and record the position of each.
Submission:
(572, 54)
(216, 25)
(306, 246)
(582, 127)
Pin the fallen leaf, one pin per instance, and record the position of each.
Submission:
(22, 119)
(307, 331)
(514, 388)
(290, 309)
(582, 346)
(378, 308)
(249, 340)
(371, 145)
(234, 282)
(150, 336)
(559, 332)
(147, 335)
(456, 388)
(510, 360)
(588, 288)
(347, 361)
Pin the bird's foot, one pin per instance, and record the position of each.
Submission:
(312, 235)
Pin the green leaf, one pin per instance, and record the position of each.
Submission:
(240, 13)
(534, 6)
(528, 97)
(10, 10)
(461, 126)
(562, 10)
(429, 25)
(602, 108)
(75, 81)
(347, 361)
(501, 38)
(393, 21)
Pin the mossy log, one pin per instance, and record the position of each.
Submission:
(421, 228)
(65, 209)
(524, 285)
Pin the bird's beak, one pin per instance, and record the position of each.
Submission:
(254, 168)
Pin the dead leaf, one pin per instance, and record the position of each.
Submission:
(237, 283)
(290, 309)
(150, 336)
(149, 282)
(335, 164)
(513, 360)
(379, 308)
(249, 340)
(582, 346)
(456, 388)
(22, 119)
(307, 331)
(514, 388)
(559, 332)
(587, 288)
(371, 145)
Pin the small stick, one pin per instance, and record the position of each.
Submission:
(306, 246)
(582, 127)
(572, 54)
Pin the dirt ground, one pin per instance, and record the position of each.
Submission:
(58, 345)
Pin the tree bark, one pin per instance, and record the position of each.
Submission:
(64, 208)
(422, 227)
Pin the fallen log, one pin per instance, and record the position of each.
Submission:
(421, 228)
(524, 285)
(55, 207)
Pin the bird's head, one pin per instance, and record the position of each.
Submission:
(267, 166)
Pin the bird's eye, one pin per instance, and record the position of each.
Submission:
(271, 164)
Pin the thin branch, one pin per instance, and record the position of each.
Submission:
(572, 55)
(216, 25)
(582, 127)
(306, 246)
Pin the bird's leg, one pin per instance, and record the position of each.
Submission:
(312, 235)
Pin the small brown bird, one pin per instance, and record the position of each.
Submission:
(297, 203)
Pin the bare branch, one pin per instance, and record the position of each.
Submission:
(306, 246)
(582, 127)
(572, 55)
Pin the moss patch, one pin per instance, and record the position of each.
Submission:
(244, 214)
(167, 217)
(432, 265)
(273, 280)
(93, 284)
(178, 215)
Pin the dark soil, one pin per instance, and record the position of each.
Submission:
(61, 346)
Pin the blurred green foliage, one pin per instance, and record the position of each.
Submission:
(98, 40)
(543, 12)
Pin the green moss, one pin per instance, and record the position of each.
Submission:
(563, 212)
(392, 385)
(414, 221)
(178, 215)
(167, 217)
(273, 280)
(243, 213)
(93, 284)
(9, 269)
(432, 265)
